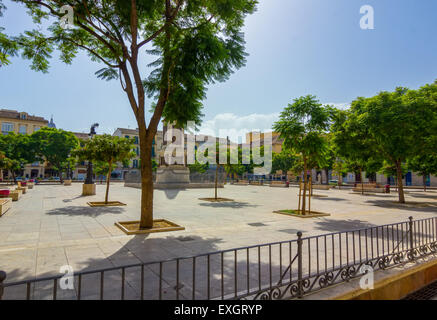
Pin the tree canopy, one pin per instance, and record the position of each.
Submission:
(55, 146)
(195, 43)
(106, 149)
(303, 125)
(18, 150)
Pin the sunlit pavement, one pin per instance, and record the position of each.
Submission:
(52, 225)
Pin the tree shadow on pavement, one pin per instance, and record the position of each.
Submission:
(231, 205)
(332, 199)
(409, 205)
(87, 211)
(342, 225)
(169, 267)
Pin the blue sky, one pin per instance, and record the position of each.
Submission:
(296, 47)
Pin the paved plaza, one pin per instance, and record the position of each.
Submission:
(52, 225)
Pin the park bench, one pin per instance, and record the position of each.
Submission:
(321, 187)
(256, 183)
(278, 184)
(368, 187)
(241, 183)
(5, 205)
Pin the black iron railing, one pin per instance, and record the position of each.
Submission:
(279, 270)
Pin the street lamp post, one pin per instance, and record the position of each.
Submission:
(89, 187)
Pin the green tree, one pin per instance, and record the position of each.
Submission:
(198, 167)
(424, 162)
(8, 164)
(8, 47)
(352, 143)
(339, 169)
(20, 150)
(328, 158)
(107, 149)
(196, 43)
(303, 127)
(423, 165)
(101, 169)
(55, 146)
(396, 123)
(283, 161)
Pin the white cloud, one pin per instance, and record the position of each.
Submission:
(342, 106)
(235, 127)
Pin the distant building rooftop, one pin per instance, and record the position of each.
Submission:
(80, 135)
(13, 114)
(128, 131)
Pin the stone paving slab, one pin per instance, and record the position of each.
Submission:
(52, 226)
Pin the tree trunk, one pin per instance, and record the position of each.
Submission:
(216, 181)
(14, 177)
(327, 176)
(61, 179)
(361, 181)
(146, 181)
(108, 178)
(400, 182)
(304, 186)
(424, 183)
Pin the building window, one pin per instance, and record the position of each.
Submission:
(127, 137)
(136, 140)
(7, 127)
(153, 152)
(36, 129)
(137, 151)
(22, 129)
(135, 164)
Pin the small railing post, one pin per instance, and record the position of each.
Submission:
(299, 265)
(411, 233)
(411, 238)
(2, 279)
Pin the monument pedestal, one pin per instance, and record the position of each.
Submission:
(89, 189)
(172, 177)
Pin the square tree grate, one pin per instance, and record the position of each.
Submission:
(185, 239)
(427, 293)
(257, 224)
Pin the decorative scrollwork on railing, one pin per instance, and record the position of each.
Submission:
(412, 254)
(398, 258)
(348, 273)
(384, 262)
(423, 249)
(342, 274)
(326, 280)
(290, 290)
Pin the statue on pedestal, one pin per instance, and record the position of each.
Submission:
(172, 172)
